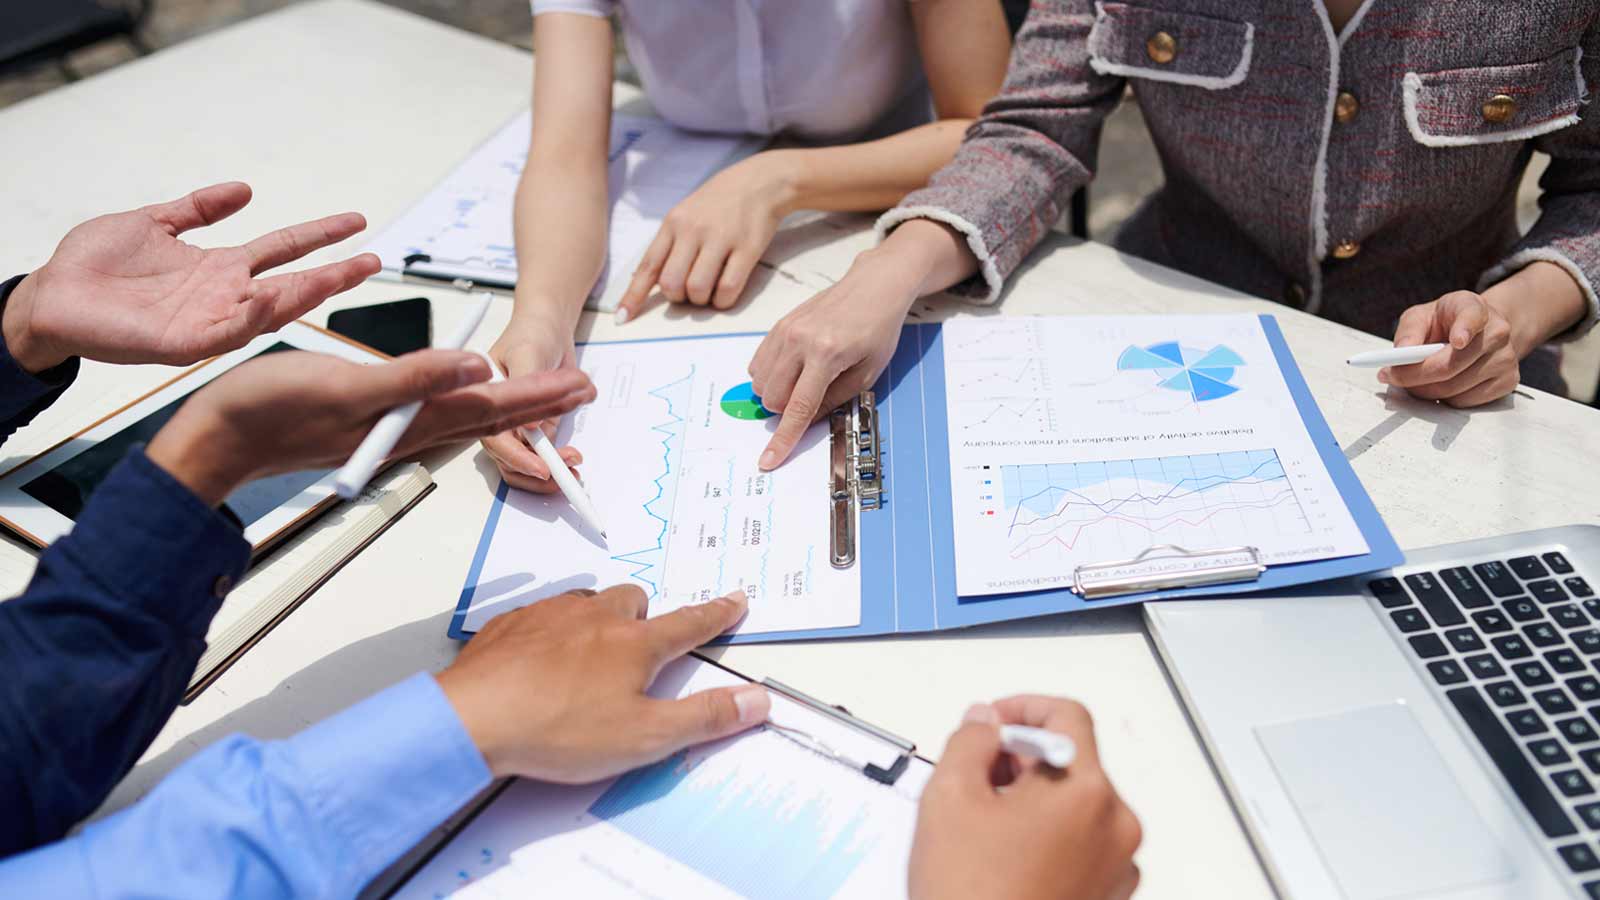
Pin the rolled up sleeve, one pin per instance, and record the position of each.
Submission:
(1035, 144)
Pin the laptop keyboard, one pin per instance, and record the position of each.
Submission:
(1514, 646)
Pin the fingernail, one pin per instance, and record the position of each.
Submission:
(753, 704)
(622, 316)
(981, 713)
(769, 459)
(1383, 376)
(470, 371)
(739, 598)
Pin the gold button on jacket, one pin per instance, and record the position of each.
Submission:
(1346, 249)
(1499, 109)
(1162, 47)
(1346, 107)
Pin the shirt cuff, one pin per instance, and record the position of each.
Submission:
(18, 386)
(146, 538)
(380, 802)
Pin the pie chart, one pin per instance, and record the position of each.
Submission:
(1202, 374)
(741, 402)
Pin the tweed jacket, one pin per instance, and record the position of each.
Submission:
(1350, 175)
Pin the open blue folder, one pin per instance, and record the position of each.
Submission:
(906, 548)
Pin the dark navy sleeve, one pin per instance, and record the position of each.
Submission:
(24, 394)
(97, 652)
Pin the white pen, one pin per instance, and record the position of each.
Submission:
(1055, 749)
(1396, 356)
(380, 441)
(570, 488)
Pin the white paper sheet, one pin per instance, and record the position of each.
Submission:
(1088, 439)
(466, 219)
(670, 448)
(752, 816)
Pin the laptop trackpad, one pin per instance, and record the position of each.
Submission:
(1384, 812)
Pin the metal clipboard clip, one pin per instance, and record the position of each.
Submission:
(420, 268)
(904, 748)
(1167, 566)
(856, 473)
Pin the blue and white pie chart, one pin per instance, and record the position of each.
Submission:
(1202, 374)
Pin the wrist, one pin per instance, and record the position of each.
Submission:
(541, 314)
(783, 179)
(1539, 302)
(195, 456)
(457, 691)
(22, 342)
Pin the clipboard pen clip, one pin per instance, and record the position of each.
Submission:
(881, 774)
(420, 268)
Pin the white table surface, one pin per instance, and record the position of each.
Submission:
(339, 104)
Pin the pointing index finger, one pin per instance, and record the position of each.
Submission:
(802, 408)
(686, 628)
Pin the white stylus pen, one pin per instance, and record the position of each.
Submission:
(380, 441)
(570, 488)
(1058, 750)
(1399, 356)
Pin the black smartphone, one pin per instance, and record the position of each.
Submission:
(403, 326)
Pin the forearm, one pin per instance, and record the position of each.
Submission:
(317, 815)
(1541, 300)
(868, 176)
(561, 235)
(102, 644)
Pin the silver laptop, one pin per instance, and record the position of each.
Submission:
(1433, 731)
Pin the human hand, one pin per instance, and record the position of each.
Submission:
(1058, 834)
(123, 288)
(232, 430)
(529, 347)
(556, 690)
(711, 241)
(1479, 366)
(829, 349)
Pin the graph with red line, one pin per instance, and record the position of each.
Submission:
(1114, 509)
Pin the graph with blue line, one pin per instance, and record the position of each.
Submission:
(1121, 507)
(762, 830)
(673, 402)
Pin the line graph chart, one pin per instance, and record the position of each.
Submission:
(801, 835)
(646, 561)
(1114, 509)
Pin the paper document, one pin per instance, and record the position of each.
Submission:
(465, 221)
(670, 447)
(1081, 440)
(752, 816)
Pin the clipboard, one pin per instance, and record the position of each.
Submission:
(890, 516)
(481, 840)
(459, 233)
(896, 455)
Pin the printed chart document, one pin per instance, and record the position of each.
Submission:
(464, 223)
(758, 815)
(671, 444)
(1083, 440)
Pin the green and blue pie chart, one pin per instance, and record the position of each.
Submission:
(741, 402)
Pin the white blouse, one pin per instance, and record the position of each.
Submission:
(822, 70)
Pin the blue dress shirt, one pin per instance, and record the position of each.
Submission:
(317, 815)
(96, 654)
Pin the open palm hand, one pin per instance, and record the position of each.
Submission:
(123, 288)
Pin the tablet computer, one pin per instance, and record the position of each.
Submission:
(40, 499)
